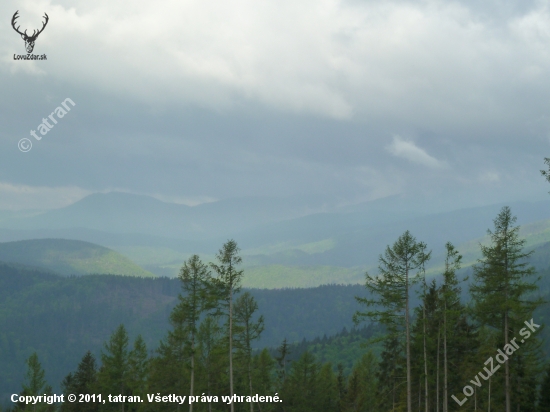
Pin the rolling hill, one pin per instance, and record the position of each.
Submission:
(69, 257)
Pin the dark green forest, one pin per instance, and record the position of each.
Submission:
(62, 317)
(463, 340)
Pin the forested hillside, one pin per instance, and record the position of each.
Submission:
(69, 257)
(61, 318)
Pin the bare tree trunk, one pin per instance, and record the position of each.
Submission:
(231, 345)
(489, 401)
(437, 368)
(425, 357)
(445, 369)
(250, 384)
(192, 369)
(420, 394)
(506, 364)
(209, 403)
(208, 384)
(122, 392)
(409, 389)
(393, 397)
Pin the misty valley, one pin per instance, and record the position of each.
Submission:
(317, 317)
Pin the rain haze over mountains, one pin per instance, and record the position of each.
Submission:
(295, 128)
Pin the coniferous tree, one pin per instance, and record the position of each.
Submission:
(211, 349)
(423, 258)
(196, 284)
(167, 370)
(35, 384)
(113, 374)
(342, 388)
(544, 392)
(502, 285)
(488, 344)
(390, 374)
(524, 383)
(309, 387)
(450, 311)
(82, 381)
(138, 370)
(349, 393)
(361, 388)
(249, 330)
(229, 283)
(282, 360)
(424, 347)
(263, 366)
(326, 390)
(392, 288)
(299, 389)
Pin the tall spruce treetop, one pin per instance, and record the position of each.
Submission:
(282, 360)
(229, 278)
(196, 282)
(138, 368)
(228, 283)
(36, 377)
(391, 292)
(390, 289)
(113, 375)
(249, 329)
(450, 291)
(502, 285)
(451, 311)
(501, 278)
(83, 381)
(35, 385)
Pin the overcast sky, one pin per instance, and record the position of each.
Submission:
(197, 100)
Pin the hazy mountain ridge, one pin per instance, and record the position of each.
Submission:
(284, 252)
(125, 213)
(362, 244)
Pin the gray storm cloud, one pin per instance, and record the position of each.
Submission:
(428, 59)
(186, 99)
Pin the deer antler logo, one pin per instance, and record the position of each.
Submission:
(29, 40)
